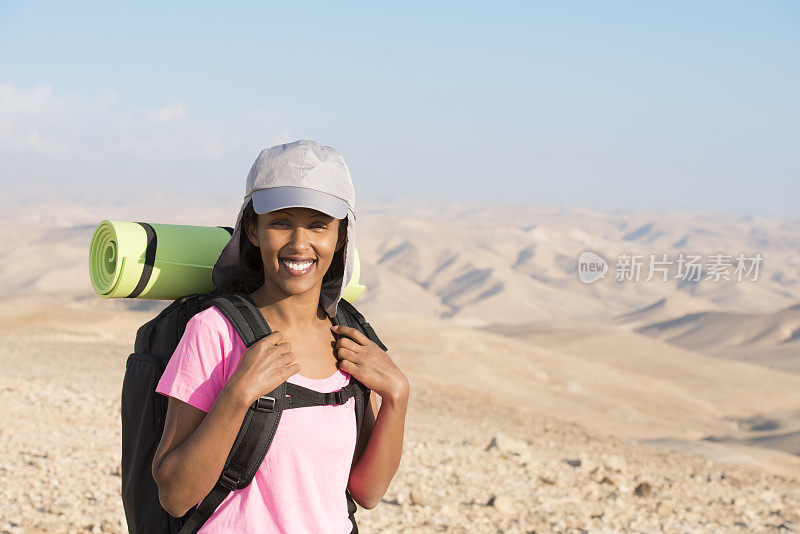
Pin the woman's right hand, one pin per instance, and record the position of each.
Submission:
(195, 444)
(263, 367)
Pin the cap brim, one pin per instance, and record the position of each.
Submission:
(275, 198)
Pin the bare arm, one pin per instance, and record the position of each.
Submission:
(193, 449)
(377, 464)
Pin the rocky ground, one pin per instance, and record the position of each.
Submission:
(468, 466)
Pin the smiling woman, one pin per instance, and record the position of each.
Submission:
(292, 252)
(250, 276)
(282, 233)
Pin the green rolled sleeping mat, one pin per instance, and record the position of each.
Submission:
(164, 261)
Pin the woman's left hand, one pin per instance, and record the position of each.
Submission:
(369, 364)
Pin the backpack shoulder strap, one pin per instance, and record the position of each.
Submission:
(244, 316)
(260, 421)
(248, 451)
(348, 315)
(361, 407)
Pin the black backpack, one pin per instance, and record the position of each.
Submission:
(143, 411)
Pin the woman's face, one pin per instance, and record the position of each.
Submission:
(297, 247)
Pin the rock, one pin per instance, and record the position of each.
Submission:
(735, 481)
(589, 466)
(422, 497)
(692, 516)
(664, 509)
(508, 444)
(501, 504)
(106, 525)
(49, 524)
(614, 463)
(574, 462)
(449, 509)
(643, 490)
(390, 500)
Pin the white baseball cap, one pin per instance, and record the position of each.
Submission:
(302, 174)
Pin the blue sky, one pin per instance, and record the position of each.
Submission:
(610, 105)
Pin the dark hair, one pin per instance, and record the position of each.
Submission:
(251, 274)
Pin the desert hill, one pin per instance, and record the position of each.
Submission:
(693, 388)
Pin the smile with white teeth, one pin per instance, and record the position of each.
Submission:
(297, 266)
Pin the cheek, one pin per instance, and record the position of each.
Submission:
(271, 243)
(329, 249)
(269, 256)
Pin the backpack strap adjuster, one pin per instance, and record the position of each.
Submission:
(337, 397)
(264, 404)
(230, 478)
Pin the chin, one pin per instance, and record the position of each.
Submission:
(297, 288)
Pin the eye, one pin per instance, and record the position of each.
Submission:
(278, 221)
(319, 225)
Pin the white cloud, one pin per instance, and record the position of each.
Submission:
(170, 112)
(40, 121)
(36, 119)
(105, 138)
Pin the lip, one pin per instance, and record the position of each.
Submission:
(298, 259)
(296, 273)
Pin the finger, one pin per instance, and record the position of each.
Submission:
(347, 343)
(287, 358)
(353, 333)
(283, 348)
(348, 367)
(290, 370)
(274, 338)
(347, 354)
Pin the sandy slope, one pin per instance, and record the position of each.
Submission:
(642, 388)
(482, 308)
(770, 339)
(543, 473)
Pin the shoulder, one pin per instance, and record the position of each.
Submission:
(212, 317)
(198, 367)
(212, 323)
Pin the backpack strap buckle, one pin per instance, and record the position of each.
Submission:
(338, 397)
(230, 478)
(264, 404)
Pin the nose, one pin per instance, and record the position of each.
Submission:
(299, 240)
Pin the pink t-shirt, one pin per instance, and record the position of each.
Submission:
(300, 485)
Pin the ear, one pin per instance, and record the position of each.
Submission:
(342, 236)
(252, 233)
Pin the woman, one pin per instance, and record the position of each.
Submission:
(292, 252)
